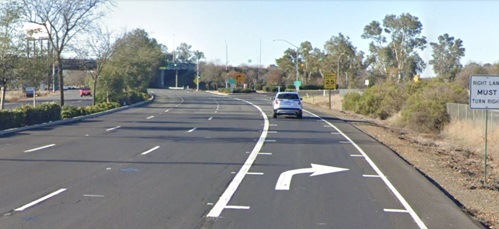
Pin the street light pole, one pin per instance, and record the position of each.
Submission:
(226, 63)
(296, 60)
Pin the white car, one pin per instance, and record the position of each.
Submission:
(287, 103)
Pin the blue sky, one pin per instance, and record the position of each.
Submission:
(248, 25)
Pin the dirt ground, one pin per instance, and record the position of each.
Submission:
(458, 171)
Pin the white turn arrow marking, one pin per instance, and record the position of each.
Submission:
(284, 181)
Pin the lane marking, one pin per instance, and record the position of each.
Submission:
(234, 184)
(268, 154)
(150, 117)
(210, 118)
(371, 176)
(152, 149)
(345, 142)
(254, 173)
(237, 207)
(272, 132)
(395, 210)
(335, 133)
(270, 140)
(193, 129)
(91, 195)
(24, 207)
(166, 111)
(356, 155)
(39, 148)
(390, 186)
(273, 124)
(113, 128)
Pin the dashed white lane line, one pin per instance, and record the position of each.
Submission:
(148, 151)
(191, 130)
(24, 207)
(371, 176)
(254, 173)
(39, 148)
(150, 117)
(238, 178)
(93, 195)
(270, 140)
(272, 132)
(210, 118)
(395, 210)
(166, 111)
(356, 155)
(237, 207)
(262, 153)
(387, 182)
(113, 128)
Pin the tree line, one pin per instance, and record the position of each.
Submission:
(129, 61)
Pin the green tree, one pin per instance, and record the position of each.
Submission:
(10, 44)
(398, 48)
(184, 53)
(62, 20)
(133, 65)
(212, 74)
(342, 57)
(446, 55)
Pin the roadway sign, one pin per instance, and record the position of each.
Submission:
(240, 77)
(484, 92)
(232, 81)
(330, 80)
(297, 83)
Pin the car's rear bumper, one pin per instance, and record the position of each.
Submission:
(287, 111)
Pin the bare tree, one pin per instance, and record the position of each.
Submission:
(98, 46)
(62, 20)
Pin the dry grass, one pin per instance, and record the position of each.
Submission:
(323, 101)
(467, 134)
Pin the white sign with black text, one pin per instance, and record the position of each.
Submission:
(484, 92)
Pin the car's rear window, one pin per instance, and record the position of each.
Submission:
(288, 96)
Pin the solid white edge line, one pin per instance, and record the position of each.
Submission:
(234, 184)
(39, 148)
(392, 188)
(24, 207)
(152, 149)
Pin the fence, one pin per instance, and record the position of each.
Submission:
(462, 112)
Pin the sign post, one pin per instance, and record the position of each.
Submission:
(484, 94)
(330, 83)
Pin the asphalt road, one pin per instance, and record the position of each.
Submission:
(198, 160)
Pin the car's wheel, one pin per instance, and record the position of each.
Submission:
(275, 115)
(299, 115)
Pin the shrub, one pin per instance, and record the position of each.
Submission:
(272, 88)
(312, 87)
(383, 100)
(351, 101)
(425, 110)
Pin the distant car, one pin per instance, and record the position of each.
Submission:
(287, 103)
(85, 91)
(30, 91)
